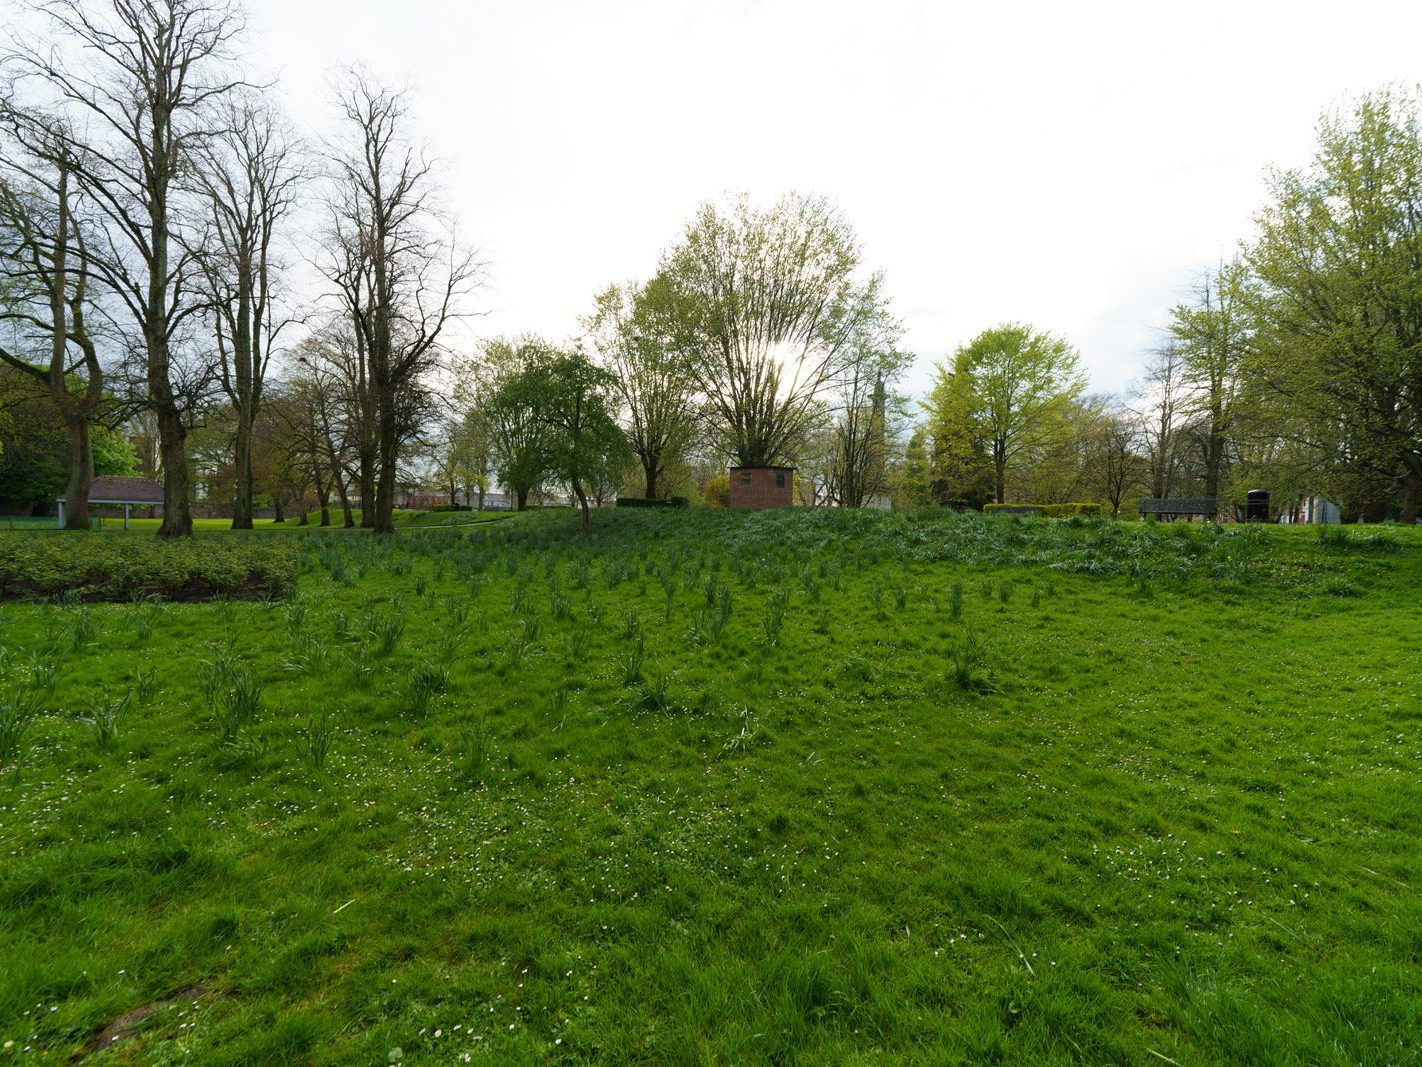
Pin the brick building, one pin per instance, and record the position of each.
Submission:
(758, 488)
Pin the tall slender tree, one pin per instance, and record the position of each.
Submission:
(46, 281)
(1159, 402)
(247, 178)
(398, 270)
(133, 84)
(654, 382)
(1216, 335)
(867, 415)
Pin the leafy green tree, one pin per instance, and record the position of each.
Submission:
(1010, 389)
(654, 384)
(572, 401)
(912, 479)
(35, 447)
(765, 306)
(518, 435)
(1337, 252)
(1215, 335)
(960, 471)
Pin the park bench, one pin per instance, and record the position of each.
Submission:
(1174, 507)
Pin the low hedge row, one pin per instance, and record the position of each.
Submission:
(644, 502)
(1050, 511)
(119, 567)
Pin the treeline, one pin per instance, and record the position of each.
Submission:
(1296, 366)
(154, 206)
(269, 318)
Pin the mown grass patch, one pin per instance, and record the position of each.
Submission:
(86, 567)
(791, 788)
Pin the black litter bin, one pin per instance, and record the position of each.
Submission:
(1256, 505)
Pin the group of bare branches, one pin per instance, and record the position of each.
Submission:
(150, 200)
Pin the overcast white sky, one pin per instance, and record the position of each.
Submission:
(1071, 165)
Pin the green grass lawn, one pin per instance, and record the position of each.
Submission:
(799, 787)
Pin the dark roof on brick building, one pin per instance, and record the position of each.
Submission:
(112, 488)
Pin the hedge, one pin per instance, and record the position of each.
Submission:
(644, 502)
(1015, 509)
(1058, 511)
(119, 567)
(1050, 511)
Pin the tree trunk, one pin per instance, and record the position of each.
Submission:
(338, 479)
(522, 493)
(242, 506)
(172, 447)
(582, 503)
(385, 479)
(1411, 498)
(278, 512)
(481, 498)
(649, 468)
(348, 519)
(81, 473)
(323, 494)
(367, 486)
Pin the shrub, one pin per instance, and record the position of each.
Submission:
(1051, 511)
(86, 567)
(646, 502)
(718, 492)
(1059, 511)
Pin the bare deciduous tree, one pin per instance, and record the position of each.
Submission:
(869, 415)
(399, 274)
(1114, 463)
(1160, 404)
(133, 83)
(247, 178)
(44, 273)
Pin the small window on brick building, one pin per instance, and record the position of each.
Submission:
(747, 480)
(780, 479)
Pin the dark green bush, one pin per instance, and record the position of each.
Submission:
(1051, 511)
(644, 502)
(117, 567)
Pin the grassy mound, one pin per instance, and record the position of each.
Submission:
(789, 787)
(101, 567)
